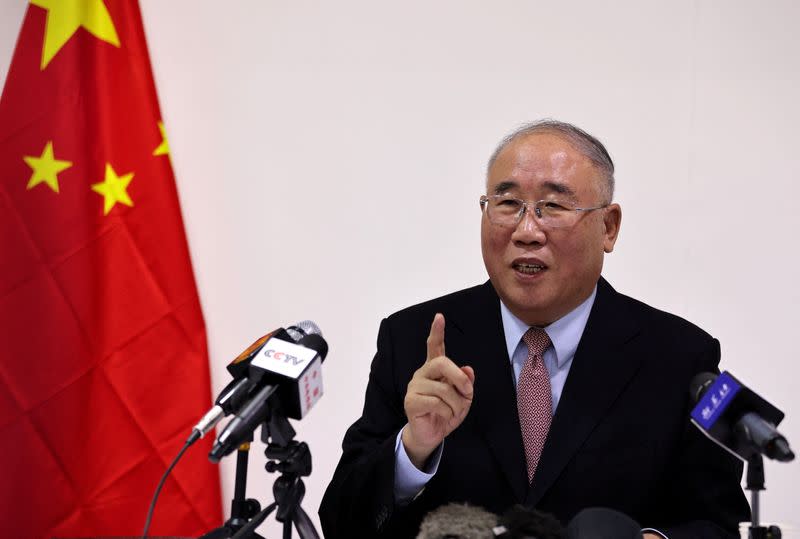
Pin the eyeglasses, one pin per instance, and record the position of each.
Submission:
(507, 211)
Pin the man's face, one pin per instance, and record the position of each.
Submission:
(544, 166)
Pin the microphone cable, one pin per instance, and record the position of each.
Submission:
(186, 446)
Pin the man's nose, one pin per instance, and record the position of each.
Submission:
(528, 230)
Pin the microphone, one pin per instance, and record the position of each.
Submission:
(290, 371)
(236, 393)
(471, 522)
(602, 523)
(736, 418)
(459, 520)
(521, 522)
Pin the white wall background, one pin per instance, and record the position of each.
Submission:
(330, 155)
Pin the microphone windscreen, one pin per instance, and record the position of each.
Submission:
(602, 523)
(301, 329)
(521, 522)
(458, 521)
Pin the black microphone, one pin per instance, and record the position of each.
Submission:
(241, 388)
(520, 522)
(737, 418)
(290, 371)
(603, 523)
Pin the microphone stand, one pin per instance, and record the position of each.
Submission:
(242, 509)
(292, 460)
(755, 484)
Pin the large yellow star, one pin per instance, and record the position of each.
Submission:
(65, 17)
(114, 189)
(45, 168)
(163, 148)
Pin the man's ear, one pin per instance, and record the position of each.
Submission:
(612, 219)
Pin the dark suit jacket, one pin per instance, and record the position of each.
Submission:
(620, 437)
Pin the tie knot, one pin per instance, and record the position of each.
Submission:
(537, 341)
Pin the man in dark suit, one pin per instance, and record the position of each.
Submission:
(543, 386)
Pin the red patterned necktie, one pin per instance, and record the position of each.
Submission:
(534, 402)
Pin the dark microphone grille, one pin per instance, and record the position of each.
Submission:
(526, 523)
(603, 523)
(699, 384)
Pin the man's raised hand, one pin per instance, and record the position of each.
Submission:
(437, 399)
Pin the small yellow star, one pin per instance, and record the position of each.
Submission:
(163, 148)
(45, 168)
(65, 17)
(114, 189)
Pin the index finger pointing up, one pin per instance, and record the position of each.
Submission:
(436, 338)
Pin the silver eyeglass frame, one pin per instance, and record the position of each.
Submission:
(535, 206)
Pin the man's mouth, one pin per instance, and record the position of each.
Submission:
(528, 269)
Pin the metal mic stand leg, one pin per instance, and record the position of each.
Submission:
(755, 484)
(305, 528)
(288, 489)
(242, 509)
(292, 460)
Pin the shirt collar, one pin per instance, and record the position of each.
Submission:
(565, 333)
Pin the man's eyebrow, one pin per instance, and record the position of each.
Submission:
(502, 187)
(553, 187)
(559, 188)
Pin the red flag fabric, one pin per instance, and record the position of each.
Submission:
(103, 360)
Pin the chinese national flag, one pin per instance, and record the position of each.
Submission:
(103, 361)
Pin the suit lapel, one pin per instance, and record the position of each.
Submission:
(599, 373)
(494, 405)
